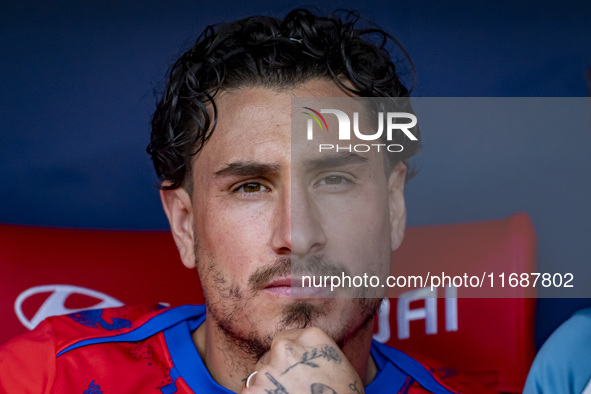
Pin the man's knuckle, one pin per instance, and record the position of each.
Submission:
(281, 343)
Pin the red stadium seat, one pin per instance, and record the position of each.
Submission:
(489, 339)
(48, 271)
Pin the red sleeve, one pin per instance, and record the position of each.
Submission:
(27, 362)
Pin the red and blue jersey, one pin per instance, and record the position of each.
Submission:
(149, 349)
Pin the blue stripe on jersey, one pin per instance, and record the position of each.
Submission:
(187, 361)
(411, 367)
(151, 327)
(389, 378)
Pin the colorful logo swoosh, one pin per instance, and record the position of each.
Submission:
(315, 115)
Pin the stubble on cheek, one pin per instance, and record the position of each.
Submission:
(227, 307)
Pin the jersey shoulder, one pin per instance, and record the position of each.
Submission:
(111, 350)
(100, 323)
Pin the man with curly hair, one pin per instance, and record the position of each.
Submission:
(254, 211)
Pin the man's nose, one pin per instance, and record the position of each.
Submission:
(299, 228)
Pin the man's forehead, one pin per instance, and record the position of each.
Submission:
(250, 118)
(257, 127)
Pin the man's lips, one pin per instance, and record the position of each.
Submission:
(292, 287)
(285, 282)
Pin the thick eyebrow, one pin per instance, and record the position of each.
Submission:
(334, 161)
(249, 168)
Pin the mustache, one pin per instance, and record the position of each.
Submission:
(283, 266)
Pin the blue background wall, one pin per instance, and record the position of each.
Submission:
(78, 81)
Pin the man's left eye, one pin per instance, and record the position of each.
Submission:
(333, 180)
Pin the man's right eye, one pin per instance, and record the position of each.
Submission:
(251, 187)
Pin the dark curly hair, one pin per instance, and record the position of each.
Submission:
(271, 53)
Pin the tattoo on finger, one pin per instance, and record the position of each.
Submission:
(279, 389)
(353, 387)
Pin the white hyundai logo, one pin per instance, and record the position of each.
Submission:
(54, 305)
(383, 334)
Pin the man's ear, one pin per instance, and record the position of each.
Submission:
(179, 210)
(396, 204)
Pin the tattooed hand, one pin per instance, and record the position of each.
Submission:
(304, 361)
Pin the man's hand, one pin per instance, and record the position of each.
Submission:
(304, 361)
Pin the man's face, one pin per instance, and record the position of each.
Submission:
(264, 203)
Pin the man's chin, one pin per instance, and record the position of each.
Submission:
(302, 313)
(319, 313)
(325, 314)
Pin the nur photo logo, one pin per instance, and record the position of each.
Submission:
(387, 122)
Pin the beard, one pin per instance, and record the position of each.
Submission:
(227, 305)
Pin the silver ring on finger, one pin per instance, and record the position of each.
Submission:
(247, 384)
